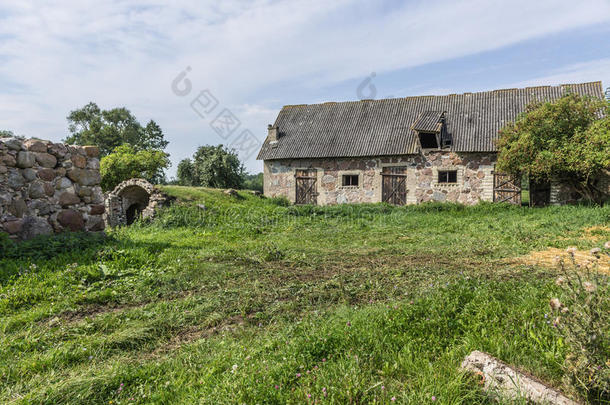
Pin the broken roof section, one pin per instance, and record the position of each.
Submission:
(429, 121)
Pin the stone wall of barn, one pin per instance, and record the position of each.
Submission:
(566, 194)
(49, 187)
(474, 177)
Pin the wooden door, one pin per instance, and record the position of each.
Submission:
(394, 185)
(305, 181)
(507, 188)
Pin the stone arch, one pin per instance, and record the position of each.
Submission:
(132, 199)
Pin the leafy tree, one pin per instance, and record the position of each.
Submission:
(108, 129)
(212, 166)
(253, 182)
(186, 173)
(152, 137)
(568, 141)
(125, 162)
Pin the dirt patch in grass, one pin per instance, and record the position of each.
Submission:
(547, 258)
(93, 311)
(193, 334)
(385, 264)
(282, 273)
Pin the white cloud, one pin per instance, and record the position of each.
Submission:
(56, 56)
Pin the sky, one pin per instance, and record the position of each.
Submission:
(218, 72)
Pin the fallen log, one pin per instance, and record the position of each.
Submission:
(500, 379)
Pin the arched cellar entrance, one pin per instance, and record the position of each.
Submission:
(131, 200)
(134, 200)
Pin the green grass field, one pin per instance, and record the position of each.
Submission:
(253, 301)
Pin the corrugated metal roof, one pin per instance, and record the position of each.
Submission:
(384, 127)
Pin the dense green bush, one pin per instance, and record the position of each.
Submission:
(125, 163)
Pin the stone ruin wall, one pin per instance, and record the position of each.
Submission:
(474, 177)
(48, 187)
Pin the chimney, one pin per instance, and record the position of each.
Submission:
(273, 134)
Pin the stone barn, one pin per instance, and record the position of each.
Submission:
(403, 150)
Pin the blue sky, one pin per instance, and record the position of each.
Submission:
(252, 57)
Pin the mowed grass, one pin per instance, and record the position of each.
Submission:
(246, 300)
